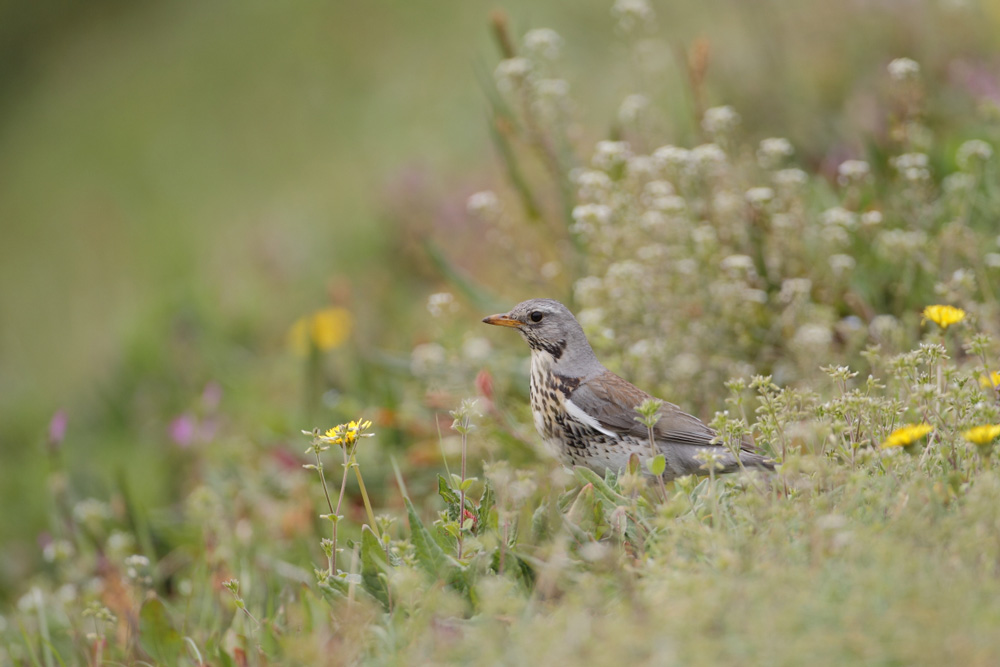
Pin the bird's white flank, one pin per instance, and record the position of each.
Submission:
(577, 413)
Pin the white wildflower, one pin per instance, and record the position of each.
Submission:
(91, 511)
(543, 44)
(652, 221)
(720, 120)
(958, 183)
(673, 157)
(633, 15)
(704, 236)
(31, 601)
(686, 266)
(511, 74)
(593, 185)
(839, 216)
(853, 172)
(772, 152)
(784, 221)
(871, 218)
(903, 69)
(632, 108)
(641, 167)
(708, 155)
(736, 265)
(483, 205)
(758, 197)
(894, 243)
(440, 303)
(57, 550)
(793, 289)
(609, 155)
(841, 264)
(912, 166)
(835, 235)
(972, 153)
(790, 179)
(653, 254)
(551, 99)
(588, 218)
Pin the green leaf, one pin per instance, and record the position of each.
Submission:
(157, 634)
(467, 484)
(446, 492)
(657, 464)
(581, 512)
(429, 553)
(374, 566)
(541, 524)
(487, 518)
(224, 658)
(588, 476)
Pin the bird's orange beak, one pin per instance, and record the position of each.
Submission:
(502, 321)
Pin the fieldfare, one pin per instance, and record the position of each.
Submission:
(587, 415)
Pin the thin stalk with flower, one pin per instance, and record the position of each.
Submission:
(463, 417)
(347, 437)
(649, 415)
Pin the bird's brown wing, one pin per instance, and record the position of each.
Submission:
(612, 402)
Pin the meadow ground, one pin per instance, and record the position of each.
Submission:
(229, 230)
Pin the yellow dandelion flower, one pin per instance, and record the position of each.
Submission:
(325, 329)
(906, 435)
(982, 435)
(944, 316)
(347, 434)
(990, 381)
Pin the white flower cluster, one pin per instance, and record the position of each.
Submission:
(913, 167)
(972, 154)
(853, 172)
(772, 152)
(720, 121)
(633, 15)
(543, 44)
(903, 69)
(440, 303)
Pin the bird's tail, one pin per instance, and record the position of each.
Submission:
(689, 460)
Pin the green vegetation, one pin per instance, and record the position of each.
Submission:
(261, 222)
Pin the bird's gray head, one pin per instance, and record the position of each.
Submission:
(550, 328)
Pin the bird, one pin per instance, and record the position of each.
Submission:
(587, 415)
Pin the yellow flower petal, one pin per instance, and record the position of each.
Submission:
(944, 316)
(325, 329)
(907, 435)
(982, 435)
(990, 381)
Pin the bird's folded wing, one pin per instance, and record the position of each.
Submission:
(612, 402)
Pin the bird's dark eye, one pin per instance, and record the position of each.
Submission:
(536, 316)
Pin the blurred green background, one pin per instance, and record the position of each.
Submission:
(180, 181)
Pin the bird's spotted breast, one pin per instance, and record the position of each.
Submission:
(570, 438)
